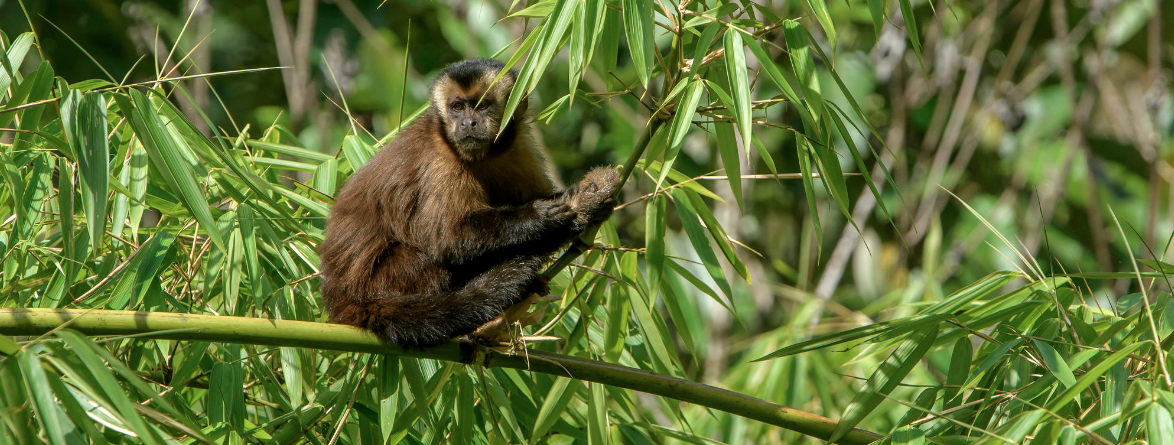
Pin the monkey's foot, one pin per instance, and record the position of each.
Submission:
(499, 332)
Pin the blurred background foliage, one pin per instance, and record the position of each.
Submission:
(1051, 119)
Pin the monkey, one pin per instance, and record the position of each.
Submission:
(451, 223)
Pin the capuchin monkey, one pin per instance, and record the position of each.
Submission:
(451, 223)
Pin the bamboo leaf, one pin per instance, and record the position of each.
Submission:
(1055, 363)
(15, 58)
(739, 84)
(1159, 424)
(701, 245)
(1091, 375)
(882, 382)
(109, 385)
(356, 151)
(718, 234)
(132, 284)
(49, 415)
(685, 110)
(290, 150)
(596, 415)
(638, 28)
(560, 395)
(165, 152)
(803, 148)
(825, 20)
(894, 327)
(84, 118)
(911, 29)
(798, 47)
(549, 42)
(727, 147)
(654, 241)
(876, 10)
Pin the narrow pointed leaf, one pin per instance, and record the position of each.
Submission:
(638, 28)
(84, 118)
(885, 379)
(654, 230)
(1055, 363)
(165, 152)
(739, 84)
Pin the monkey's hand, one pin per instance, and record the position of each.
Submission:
(594, 197)
(555, 212)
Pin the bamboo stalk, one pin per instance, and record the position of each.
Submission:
(290, 333)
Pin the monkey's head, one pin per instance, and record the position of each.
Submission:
(470, 106)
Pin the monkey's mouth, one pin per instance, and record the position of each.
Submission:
(473, 146)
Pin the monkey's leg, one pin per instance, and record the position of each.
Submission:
(427, 319)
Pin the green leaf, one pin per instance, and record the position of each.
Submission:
(8, 347)
(133, 282)
(886, 379)
(297, 152)
(1055, 363)
(15, 57)
(1090, 376)
(539, 9)
(798, 47)
(825, 20)
(781, 80)
(893, 327)
(739, 84)
(685, 110)
(908, 435)
(549, 42)
(596, 415)
(1159, 424)
(560, 395)
(84, 119)
(226, 400)
(911, 29)
(654, 233)
(803, 148)
(718, 234)
(703, 44)
(105, 379)
(49, 414)
(356, 151)
(960, 361)
(876, 10)
(727, 147)
(696, 233)
(164, 150)
(638, 28)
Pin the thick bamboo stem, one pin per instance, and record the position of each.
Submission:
(259, 331)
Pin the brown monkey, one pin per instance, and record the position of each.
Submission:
(451, 223)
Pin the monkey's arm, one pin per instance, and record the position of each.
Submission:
(538, 227)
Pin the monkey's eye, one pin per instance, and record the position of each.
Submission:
(484, 105)
(458, 106)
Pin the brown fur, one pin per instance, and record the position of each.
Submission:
(436, 235)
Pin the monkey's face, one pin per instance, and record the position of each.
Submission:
(472, 126)
(470, 100)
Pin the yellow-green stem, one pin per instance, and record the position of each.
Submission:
(259, 331)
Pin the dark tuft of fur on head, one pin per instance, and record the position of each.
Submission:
(467, 73)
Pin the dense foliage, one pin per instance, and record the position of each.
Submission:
(938, 222)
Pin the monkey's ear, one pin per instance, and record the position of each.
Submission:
(523, 107)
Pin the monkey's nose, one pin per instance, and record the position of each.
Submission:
(469, 123)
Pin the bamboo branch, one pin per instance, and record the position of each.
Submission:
(304, 334)
(583, 244)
